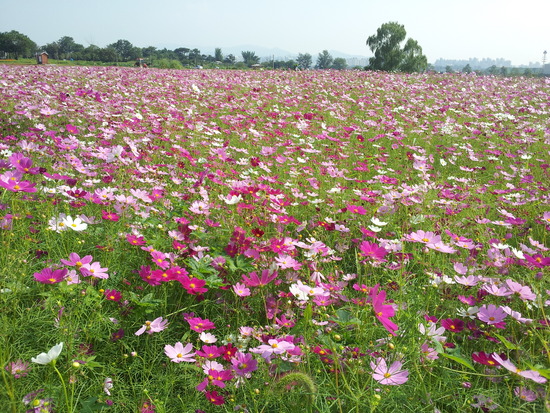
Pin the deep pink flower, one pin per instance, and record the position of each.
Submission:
(50, 276)
(210, 352)
(254, 281)
(373, 250)
(243, 364)
(76, 261)
(356, 209)
(193, 285)
(199, 325)
(109, 216)
(113, 295)
(382, 311)
(453, 324)
(135, 240)
(214, 398)
(215, 378)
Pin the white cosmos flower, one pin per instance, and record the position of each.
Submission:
(47, 358)
(75, 224)
(377, 222)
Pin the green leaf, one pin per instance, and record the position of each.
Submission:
(508, 344)
(91, 405)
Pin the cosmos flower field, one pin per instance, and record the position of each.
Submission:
(265, 241)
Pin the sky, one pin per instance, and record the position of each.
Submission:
(514, 30)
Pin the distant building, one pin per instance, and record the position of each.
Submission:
(546, 70)
(42, 58)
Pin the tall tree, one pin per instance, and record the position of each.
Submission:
(388, 54)
(218, 55)
(304, 61)
(67, 46)
(124, 49)
(413, 59)
(339, 63)
(17, 44)
(324, 60)
(250, 58)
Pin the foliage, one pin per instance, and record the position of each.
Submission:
(388, 54)
(16, 44)
(304, 61)
(250, 58)
(324, 60)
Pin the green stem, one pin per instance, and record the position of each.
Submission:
(9, 390)
(69, 405)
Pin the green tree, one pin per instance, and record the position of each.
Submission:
(449, 69)
(339, 63)
(218, 55)
(324, 60)
(304, 61)
(124, 49)
(413, 60)
(250, 58)
(52, 49)
(467, 69)
(67, 46)
(230, 59)
(388, 54)
(16, 44)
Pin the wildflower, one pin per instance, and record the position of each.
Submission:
(51, 355)
(179, 353)
(455, 325)
(254, 281)
(18, 368)
(484, 403)
(207, 338)
(209, 352)
(75, 224)
(528, 374)
(109, 216)
(484, 358)
(492, 315)
(382, 311)
(373, 250)
(425, 237)
(215, 378)
(38, 405)
(113, 295)
(243, 364)
(241, 290)
(199, 325)
(525, 394)
(356, 209)
(95, 270)
(107, 385)
(392, 376)
(150, 327)
(273, 346)
(428, 352)
(193, 285)
(76, 261)
(135, 240)
(523, 291)
(432, 332)
(50, 276)
(214, 398)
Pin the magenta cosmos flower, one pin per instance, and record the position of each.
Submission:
(392, 375)
(179, 353)
(199, 325)
(382, 311)
(50, 276)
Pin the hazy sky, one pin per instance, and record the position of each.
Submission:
(517, 30)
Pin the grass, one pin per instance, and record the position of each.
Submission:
(285, 208)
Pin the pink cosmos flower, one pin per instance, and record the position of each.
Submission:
(150, 327)
(18, 368)
(373, 250)
(491, 314)
(525, 394)
(95, 270)
(425, 237)
(356, 209)
(243, 364)
(273, 346)
(113, 295)
(193, 285)
(50, 276)
(523, 291)
(135, 240)
(76, 261)
(391, 376)
(241, 290)
(179, 353)
(215, 378)
(254, 281)
(199, 325)
(455, 325)
(109, 216)
(286, 261)
(382, 311)
(528, 374)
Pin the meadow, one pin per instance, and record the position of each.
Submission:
(269, 241)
